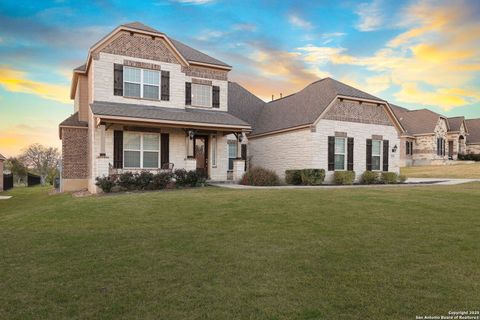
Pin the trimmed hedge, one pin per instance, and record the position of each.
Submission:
(344, 177)
(308, 177)
(469, 157)
(260, 177)
(146, 180)
(388, 178)
(370, 177)
(293, 177)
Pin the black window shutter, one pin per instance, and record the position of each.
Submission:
(165, 85)
(118, 149)
(216, 97)
(118, 79)
(165, 148)
(385, 155)
(244, 155)
(407, 147)
(369, 154)
(188, 93)
(350, 154)
(331, 153)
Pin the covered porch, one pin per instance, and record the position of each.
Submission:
(194, 140)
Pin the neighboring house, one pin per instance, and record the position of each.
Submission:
(429, 137)
(473, 140)
(327, 125)
(2, 160)
(144, 101)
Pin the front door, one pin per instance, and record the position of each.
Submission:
(200, 149)
(450, 149)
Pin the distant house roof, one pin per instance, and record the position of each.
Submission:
(2, 158)
(100, 108)
(455, 123)
(421, 121)
(243, 104)
(305, 106)
(189, 53)
(473, 127)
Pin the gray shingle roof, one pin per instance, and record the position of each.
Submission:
(455, 123)
(83, 67)
(73, 121)
(163, 113)
(473, 127)
(421, 121)
(243, 104)
(305, 106)
(189, 53)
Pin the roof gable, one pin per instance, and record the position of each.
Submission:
(415, 122)
(455, 123)
(473, 127)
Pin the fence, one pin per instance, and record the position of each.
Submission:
(33, 180)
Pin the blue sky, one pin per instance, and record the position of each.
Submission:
(417, 54)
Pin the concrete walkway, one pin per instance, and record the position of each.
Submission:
(411, 182)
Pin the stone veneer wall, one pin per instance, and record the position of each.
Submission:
(74, 153)
(425, 147)
(473, 148)
(353, 111)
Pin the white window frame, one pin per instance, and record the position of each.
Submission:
(344, 154)
(142, 149)
(380, 155)
(195, 103)
(142, 83)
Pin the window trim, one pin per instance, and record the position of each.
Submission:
(194, 103)
(344, 154)
(142, 150)
(233, 143)
(380, 155)
(142, 84)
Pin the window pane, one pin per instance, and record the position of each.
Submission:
(131, 74)
(131, 159)
(151, 77)
(376, 147)
(150, 92)
(131, 141)
(201, 95)
(150, 159)
(376, 163)
(339, 162)
(132, 90)
(150, 142)
(232, 150)
(340, 145)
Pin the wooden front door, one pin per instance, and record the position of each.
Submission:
(200, 149)
(450, 149)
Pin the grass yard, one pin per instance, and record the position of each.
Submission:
(212, 253)
(460, 171)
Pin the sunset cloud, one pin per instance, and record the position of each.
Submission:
(299, 22)
(371, 17)
(17, 81)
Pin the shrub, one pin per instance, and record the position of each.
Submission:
(469, 157)
(180, 176)
(402, 178)
(192, 178)
(293, 177)
(161, 180)
(144, 180)
(105, 183)
(369, 177)
(127, 180)
(312, 177)
(388, 177)
(260, 177)
(344, 177)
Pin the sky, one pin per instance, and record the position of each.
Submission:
(416, 54)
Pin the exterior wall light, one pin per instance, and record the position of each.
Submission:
(394, 149)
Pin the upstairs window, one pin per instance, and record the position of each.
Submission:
(141, 83)
(201, 95)
(376, 154)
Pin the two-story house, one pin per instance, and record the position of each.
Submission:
(142, 101)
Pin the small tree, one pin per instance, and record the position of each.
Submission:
(41, 160)
(17, 168)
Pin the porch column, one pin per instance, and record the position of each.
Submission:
(102, 140)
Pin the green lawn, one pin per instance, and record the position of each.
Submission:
(460, 171)
(213, 253)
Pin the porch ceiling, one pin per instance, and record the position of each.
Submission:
(170, 117)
